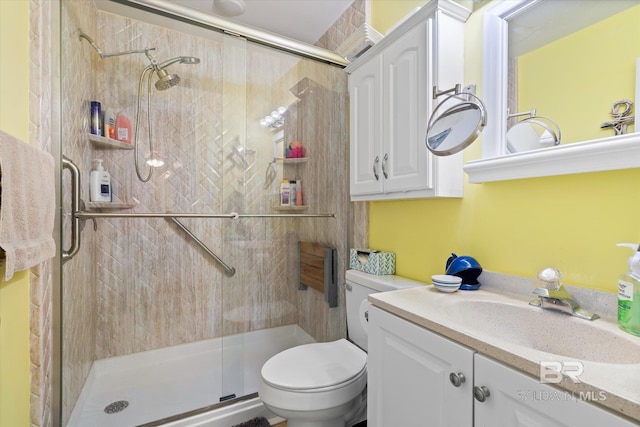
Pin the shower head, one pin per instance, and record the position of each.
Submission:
(166, 80)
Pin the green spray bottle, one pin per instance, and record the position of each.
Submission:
(629, 293)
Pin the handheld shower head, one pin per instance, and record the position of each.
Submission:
(166, 80)
(180, 59)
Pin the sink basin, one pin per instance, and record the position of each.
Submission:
(546, 330)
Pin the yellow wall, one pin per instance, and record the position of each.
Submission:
(385, 13)
(14, 67)
(517, 227)
(579, 102)
(14, 350)
(14, 295)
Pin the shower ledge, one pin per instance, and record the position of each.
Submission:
(279, 208)
(93, 206)
(108, 143)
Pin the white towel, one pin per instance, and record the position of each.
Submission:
(27, 204)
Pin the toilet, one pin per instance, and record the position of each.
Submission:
(324, 384)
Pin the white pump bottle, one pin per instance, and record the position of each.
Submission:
(100, 190)
(629, 293)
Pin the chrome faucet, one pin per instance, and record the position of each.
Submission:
(561, 300)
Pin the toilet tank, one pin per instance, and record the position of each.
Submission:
(358, 286)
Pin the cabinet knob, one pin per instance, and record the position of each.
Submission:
(384, 165)
(375, 168)
(457, 379)
(481, 393)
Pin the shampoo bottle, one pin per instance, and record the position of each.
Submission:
(298, 193)
(123, 128)
(292, 192)
(96, 118)
(629, 294)
(100, 190)
(285, 189)
(109, 123)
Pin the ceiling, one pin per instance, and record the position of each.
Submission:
(303, 20)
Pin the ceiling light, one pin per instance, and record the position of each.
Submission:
(229, 8)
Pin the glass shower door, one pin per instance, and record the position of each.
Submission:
(151, 325)
(141, 301)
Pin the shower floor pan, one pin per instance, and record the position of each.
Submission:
(144, 387)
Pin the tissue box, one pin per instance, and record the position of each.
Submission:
(372, 261)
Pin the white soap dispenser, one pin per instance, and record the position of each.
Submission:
(629, 293)
(100, 190)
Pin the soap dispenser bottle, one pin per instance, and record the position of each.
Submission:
(629, 294)
(100, 190)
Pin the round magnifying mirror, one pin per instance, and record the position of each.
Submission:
(457, 126)
(531, 134)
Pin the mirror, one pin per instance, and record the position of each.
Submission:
(532, 133)
(454, 124)
(512, 28)
(569, 61)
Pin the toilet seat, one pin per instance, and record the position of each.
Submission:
(315, 367)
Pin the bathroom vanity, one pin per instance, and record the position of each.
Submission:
(473, 359)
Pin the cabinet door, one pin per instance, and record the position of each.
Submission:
(408, 376)
(405, 97)
(365, 128)
(517, 400)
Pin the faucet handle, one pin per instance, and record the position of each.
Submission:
(550, 278)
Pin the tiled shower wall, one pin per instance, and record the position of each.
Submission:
(43, 111)
(139, 284)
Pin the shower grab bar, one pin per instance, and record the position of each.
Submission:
(228, 270)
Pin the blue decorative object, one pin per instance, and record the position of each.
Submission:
(465, 267)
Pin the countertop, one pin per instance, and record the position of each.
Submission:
(617, 385)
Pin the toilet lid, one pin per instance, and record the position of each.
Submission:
(314, 365)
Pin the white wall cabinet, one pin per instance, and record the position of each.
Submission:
(411, 384)
(390, 89)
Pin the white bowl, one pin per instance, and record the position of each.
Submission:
(446, 288)
(446, 279)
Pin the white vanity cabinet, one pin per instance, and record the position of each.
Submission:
(390, 89)
(517, 399)
(408, 376)
(415, 379)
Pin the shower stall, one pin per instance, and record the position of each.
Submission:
(176, 291)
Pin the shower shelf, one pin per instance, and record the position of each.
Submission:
(279, 208)
(292, 160)
(108, 143)
(109, 205)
